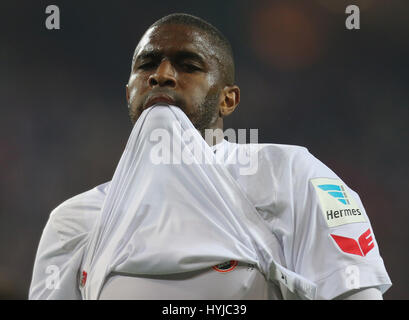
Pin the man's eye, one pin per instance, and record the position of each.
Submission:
(145, 66)
(190, 67)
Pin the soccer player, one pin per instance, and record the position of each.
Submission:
(290, 228)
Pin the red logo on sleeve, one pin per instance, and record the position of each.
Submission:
(361, 247)
(83, 278)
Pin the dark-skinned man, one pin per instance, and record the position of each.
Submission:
(289, 228)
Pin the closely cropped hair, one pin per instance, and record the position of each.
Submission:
(219, 40)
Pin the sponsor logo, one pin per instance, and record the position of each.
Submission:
(225, 266)
(361, 247)
(342, 213)
(336, 191)
(338, 207)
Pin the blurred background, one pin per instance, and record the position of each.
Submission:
(305, 80)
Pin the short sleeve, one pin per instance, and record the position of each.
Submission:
(332, 243)
(56, 266)
(56, 273)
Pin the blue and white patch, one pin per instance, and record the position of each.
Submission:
(338, 206)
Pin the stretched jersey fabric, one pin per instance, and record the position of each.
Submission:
(289, 215)
(162, 217)
(321, 223)
(234, 281)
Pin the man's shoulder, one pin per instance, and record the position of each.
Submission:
(276, 152)
(78, 213)
(283, 150)
(89, 199)
(296, 160)
(272, 148)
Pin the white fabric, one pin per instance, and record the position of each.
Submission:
(362, 294)
(173, 218)
(244, 282)
(62, 245)
(273, 213)
(283, 194)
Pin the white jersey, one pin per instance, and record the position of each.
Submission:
(288, 215)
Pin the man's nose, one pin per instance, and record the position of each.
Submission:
(164, 75)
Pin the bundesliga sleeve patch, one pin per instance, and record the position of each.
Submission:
(338, 206)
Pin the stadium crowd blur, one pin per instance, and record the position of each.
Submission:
(305, 80)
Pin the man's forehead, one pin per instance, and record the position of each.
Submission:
(175, 37)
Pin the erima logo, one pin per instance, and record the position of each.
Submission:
(338, 192)
(361, 247)
(337, 204)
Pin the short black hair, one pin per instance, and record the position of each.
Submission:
(226, 59)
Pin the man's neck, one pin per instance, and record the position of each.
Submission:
(215, 136)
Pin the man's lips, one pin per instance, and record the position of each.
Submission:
(157, 99)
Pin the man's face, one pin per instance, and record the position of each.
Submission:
(176, 64)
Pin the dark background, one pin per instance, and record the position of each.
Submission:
(305, 80)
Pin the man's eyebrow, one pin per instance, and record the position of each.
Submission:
(152, 54)
(185, 54)
(179, 55)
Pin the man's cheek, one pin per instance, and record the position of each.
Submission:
(198, 95)
(211, 79)
(132, 91)
(136, 97)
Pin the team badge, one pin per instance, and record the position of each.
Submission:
(225, 266)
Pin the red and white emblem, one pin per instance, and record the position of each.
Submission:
(349, 245)
(225, 266)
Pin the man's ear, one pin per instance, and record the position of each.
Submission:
(230, 98)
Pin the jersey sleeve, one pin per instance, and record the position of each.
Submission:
(56, 267)
(332, 242)
(56, 273)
